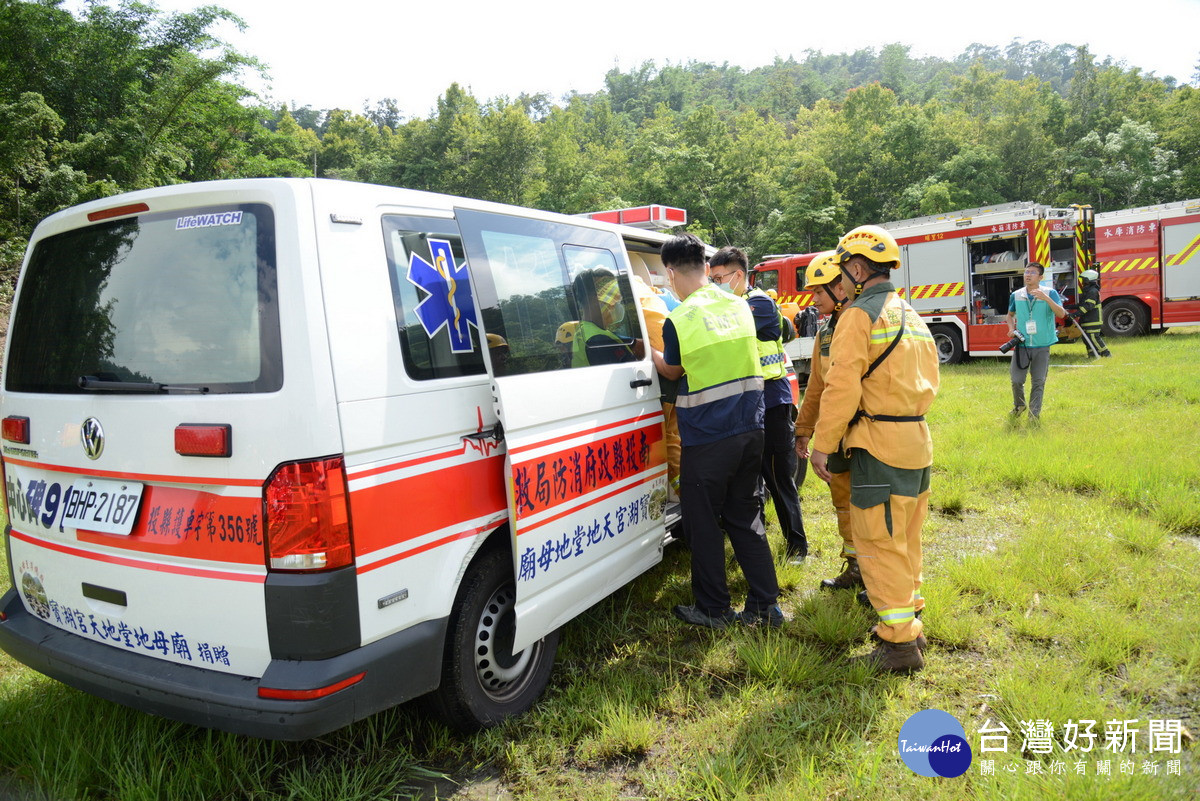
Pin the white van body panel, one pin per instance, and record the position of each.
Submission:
(168, 587)
(431, 474)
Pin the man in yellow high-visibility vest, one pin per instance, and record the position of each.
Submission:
(709, 345)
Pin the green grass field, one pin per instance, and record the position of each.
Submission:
(1062, 578)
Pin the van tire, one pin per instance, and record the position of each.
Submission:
(949, 343)
(483, 683)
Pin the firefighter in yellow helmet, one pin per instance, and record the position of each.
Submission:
(881, 381)
(564, 342)
(823, 279)
(498, 348)
(1090, 309)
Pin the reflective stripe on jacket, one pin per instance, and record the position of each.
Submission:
(771, 356)
(903, 384)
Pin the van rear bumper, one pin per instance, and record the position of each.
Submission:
(398, 668)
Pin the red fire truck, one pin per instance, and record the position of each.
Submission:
(1149, 261)
(958, 269)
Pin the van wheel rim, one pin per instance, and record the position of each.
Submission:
(501, 673)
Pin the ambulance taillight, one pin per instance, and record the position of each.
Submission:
(15, 429)
(306, 509)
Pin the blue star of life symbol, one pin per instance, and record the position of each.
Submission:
(448, 303)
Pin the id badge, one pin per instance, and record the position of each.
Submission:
(1030, 327)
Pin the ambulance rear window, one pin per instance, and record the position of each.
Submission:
(183, 299)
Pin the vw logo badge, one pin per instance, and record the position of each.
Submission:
(93, 438)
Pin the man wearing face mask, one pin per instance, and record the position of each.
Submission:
(601, 308)
(709, 347)
(881, 381)
(728, 269)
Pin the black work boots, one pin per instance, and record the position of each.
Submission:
(894, 657)
(848, 579)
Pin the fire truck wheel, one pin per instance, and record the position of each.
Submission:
(1125, 318)
(483, 682)
(949, 344)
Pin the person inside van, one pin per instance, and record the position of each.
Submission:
(601, 309)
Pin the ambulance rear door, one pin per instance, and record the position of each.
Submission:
(586, 466)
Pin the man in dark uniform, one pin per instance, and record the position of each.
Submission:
(1089, 310)
(709, 345)
(727, 269)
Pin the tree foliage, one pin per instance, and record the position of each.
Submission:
(780, 158)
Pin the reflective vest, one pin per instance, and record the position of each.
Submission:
(770, 354)
(1089, 308)
(716, 348)
(586, 331)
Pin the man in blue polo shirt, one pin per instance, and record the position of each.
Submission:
(1032, 310)
(710, 346)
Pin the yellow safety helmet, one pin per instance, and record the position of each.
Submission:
(870, 241)
(822, 270)
(566, 332)
(496, 341)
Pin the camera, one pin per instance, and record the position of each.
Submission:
(1017, 339)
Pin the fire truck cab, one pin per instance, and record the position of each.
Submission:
(783, 276)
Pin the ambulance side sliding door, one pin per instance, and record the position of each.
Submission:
(586, 465)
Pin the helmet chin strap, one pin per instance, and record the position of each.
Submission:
(858, 285)
(837, 303)
(872, 272)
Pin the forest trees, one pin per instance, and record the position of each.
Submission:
(775, 159)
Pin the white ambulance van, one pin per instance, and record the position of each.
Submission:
(280, 454)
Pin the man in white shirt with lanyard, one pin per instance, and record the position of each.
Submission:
(1032, 311)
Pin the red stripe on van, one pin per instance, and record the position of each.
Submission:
(401, 510)
(140, 564)
(657, 417)
(429, 546)
(145, 477)
(546, 481)
(353, 474)
(526, 528)
(179, 522)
